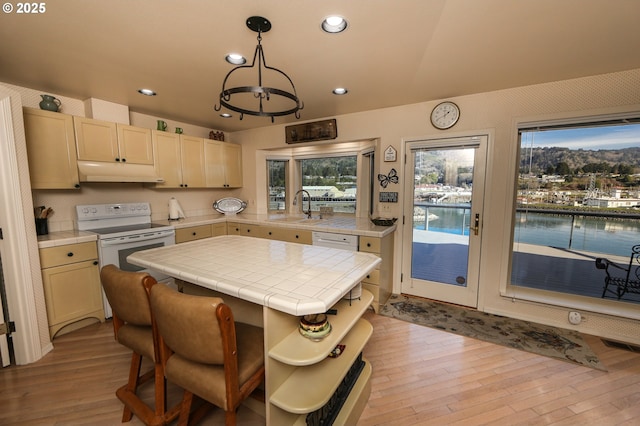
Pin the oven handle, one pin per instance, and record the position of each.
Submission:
(134, 238)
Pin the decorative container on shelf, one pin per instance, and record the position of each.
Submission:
(50, 103)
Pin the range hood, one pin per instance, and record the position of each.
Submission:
(97, 171)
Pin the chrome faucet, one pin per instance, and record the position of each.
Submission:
(295, 202)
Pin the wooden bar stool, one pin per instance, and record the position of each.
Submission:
(128, 295)
(206, 353)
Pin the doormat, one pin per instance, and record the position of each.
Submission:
(566, 345)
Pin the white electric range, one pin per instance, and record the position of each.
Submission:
(122, 229)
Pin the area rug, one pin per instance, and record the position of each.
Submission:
(566, 345)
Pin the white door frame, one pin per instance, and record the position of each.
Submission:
(469, 295)
(19, 246)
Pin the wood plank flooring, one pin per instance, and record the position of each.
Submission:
(421, 376)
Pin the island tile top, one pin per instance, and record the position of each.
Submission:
(293, 278)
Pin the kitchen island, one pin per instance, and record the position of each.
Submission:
(277, 282)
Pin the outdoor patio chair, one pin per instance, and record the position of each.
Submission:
(621, 279)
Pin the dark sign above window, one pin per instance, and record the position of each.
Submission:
(309, 132)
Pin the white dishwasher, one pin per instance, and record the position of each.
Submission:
(339, 241)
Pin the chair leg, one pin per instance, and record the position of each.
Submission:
(185, 408)
(160, 390)
(230, 418)
(132, 384)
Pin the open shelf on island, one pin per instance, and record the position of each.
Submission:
(297, 350)
(310, 388)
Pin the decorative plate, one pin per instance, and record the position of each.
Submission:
(229, 205)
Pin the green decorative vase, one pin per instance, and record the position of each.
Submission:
(50, 103)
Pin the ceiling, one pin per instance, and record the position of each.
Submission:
(393, 52)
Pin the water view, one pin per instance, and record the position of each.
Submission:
(571, 232)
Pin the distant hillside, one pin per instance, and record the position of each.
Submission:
(566, 161)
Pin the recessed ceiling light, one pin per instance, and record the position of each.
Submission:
(225, 115)
(340, 91)
(334, 24)
(235, 59)
(147, 92)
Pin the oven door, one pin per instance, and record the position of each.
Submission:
(115, 251)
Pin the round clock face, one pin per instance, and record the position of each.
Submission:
(445, 115)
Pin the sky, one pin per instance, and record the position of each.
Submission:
(593, 138)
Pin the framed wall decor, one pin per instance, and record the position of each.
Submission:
(390, 154)
(309, 132)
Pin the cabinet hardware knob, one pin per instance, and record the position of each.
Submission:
(193, 234)
(124, 160)
(77, 185)
(70, 254)
(297, 236)
(117, 159)
(368, 244)
(95, 262)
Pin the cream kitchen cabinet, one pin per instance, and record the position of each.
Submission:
(248, 230)
(192, 233)
(218, 229)
(179, 159)
(379, 281)
(51, 149)
(292, 235)
(104, 141)
(223, 164)
(71, 279)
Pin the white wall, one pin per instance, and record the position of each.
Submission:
(498, 113)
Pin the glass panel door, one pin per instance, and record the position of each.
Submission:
(444, 218)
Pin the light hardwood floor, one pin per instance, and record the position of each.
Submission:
(421, 376)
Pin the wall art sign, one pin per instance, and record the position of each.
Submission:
(390, 154)
(388, 197)
(309, 132)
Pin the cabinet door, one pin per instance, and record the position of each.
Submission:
(72, 291)
(214, 164)
(192, 233)
(233, 165)
(223, 164)
(51, 150)
(96, 140)
(167, 162)
(192, 150)
(135, 144)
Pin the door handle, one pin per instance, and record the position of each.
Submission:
(476, 224)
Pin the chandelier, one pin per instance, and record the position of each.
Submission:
(260, 100)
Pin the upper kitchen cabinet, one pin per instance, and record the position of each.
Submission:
(223, 164)
(179, 159)
(51, 149)
(110, 142)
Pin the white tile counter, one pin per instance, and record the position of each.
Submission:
(342, 224)
(61, 238)
(292, 278)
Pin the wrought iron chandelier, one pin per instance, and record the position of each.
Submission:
(287, 101)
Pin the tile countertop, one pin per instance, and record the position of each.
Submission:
(61, 238)
(332, 223)
(293, 278)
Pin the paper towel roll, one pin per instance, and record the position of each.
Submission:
(175, 211)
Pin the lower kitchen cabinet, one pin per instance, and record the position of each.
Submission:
(379, 281)
(302, 379)
(192, 233)
(234, 228)
(72, 289)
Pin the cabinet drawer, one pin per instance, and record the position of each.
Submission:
(192, 233)
(370, 244)
(373, 277)
(64, 255)
(218, 229)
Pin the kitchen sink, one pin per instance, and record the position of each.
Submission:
(296, 219)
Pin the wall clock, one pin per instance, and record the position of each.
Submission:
(445, 115)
